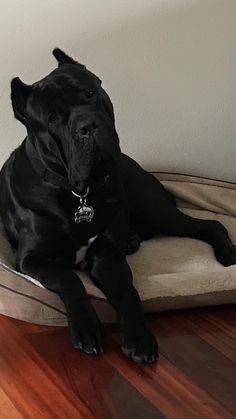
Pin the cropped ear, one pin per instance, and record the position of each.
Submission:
(19, 96)
(63, 58)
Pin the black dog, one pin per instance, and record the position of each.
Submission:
(68, 186)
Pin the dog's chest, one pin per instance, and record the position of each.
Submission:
(81, 251)
(104, 208)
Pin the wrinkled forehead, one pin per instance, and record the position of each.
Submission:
(62, 85)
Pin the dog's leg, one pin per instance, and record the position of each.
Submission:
(210, 231)
(84, 325)
(111, 273)
(153, 211)
(167, 219)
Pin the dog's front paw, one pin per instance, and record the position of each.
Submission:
(226, 255)
(87, 334)
(133, 243)
(140, 345)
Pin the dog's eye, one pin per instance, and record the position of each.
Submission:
(90, 93)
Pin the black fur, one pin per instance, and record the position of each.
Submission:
(72, 144)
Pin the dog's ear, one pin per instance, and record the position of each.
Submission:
(63, 58)
(19, 96)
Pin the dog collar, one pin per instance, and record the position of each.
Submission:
(84, 211)
(45, 174)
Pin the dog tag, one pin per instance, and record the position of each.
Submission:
(84, 213)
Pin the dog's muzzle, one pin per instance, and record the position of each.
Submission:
(87, 127)
(94, 149)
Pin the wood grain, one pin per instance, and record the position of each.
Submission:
(42, 376)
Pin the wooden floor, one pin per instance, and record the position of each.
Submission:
(41, 376)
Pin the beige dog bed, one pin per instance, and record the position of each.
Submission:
(169, 272)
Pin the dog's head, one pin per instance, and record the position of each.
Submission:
(70, 120)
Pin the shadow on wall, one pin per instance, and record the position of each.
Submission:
(173, 84)
(172, 78)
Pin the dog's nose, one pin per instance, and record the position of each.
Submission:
(87, 127)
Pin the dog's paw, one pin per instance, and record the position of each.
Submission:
(87, 335)
(226, 255)
(133, 243)
(141, 346)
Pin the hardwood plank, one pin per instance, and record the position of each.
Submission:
(226, 313)
(42, 376)
(169, 389)
(28, 382)
(214, 333)
(206, 367)
(92, 379)
(7, 408)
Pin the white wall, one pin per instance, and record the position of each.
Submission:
(169, 66)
